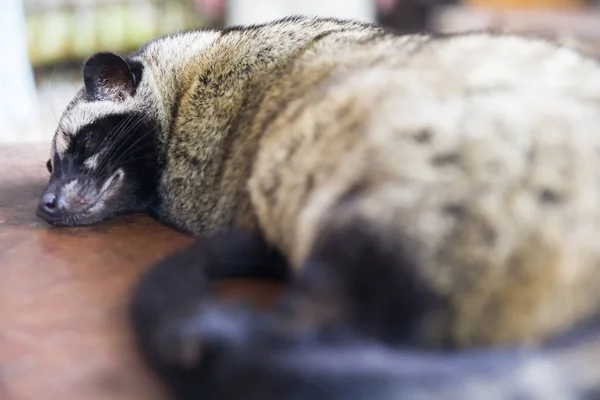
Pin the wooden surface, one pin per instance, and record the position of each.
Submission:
(63, 332)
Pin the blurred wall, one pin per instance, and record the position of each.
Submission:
(18, 103)
(257, 11)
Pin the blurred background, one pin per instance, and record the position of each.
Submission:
(45, 41)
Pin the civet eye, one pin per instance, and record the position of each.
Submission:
(89, 143)
(49, 165)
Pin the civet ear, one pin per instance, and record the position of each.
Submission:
(108, 76)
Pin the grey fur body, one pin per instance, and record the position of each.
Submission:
(473, 158)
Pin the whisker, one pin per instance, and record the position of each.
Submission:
(127, 130)
(33, 159)
(124, 127)
(132, 146)
(111, 137)
(146, 157)
(119, 132)
(50, 104)
(105, 173)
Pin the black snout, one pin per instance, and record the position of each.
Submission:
(48, 208)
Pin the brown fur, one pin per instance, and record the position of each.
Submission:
(478, 151)
(478, 148)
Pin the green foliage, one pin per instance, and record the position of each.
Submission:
(73, 33)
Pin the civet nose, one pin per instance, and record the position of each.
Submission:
(48, 207)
